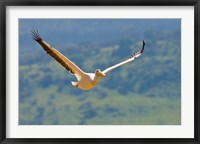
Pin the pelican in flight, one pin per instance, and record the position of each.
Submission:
(86, 80)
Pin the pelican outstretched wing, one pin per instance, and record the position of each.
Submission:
(64, 61)
(130, 59)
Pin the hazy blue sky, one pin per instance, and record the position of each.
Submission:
(87, 30)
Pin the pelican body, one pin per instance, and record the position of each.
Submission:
(85, 81)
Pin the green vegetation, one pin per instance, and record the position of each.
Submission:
(46, 106)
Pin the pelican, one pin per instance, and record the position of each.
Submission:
(86, 80)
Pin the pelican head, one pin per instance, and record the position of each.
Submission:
(99, 73)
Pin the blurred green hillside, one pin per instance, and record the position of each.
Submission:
(144, 92)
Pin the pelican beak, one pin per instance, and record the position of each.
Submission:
(100, 74)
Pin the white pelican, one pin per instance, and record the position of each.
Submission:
(85, 81)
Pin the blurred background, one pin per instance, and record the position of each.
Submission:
(144, 92)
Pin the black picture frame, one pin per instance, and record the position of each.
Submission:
(5, 3)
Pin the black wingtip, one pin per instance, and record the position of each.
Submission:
(35, 35)
(139, 52)
(143, 44)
